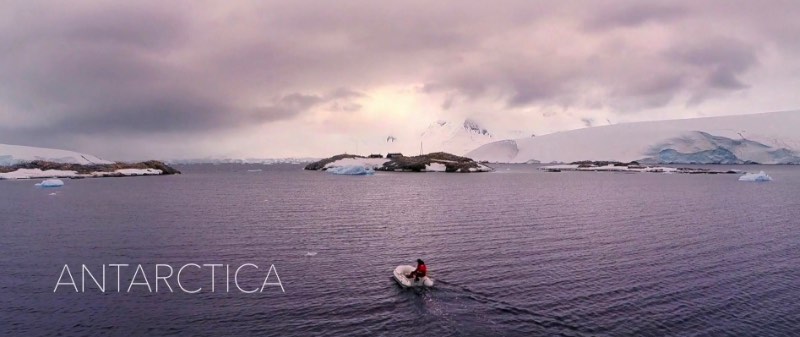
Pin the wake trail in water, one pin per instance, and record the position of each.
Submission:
(449, 299)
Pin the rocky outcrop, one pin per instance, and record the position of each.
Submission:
(319, 165)
(421, 163)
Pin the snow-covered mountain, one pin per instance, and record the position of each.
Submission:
(455, 138)
(13, 154)
(766, 138)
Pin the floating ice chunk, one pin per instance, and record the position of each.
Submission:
(51, 183)
(311, 253)
(54, 193)
(760, 176)
(255, 170)
(353, 170)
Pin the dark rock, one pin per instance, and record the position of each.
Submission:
(319, 165)
(398, 162)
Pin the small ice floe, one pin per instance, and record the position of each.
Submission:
(51, 183)
(54, 193)
(311, 253)
(255, 170)
(352, 170)
(760, 176)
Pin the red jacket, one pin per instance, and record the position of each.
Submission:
(422, 270)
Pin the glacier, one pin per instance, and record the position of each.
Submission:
(15, 154)
(763, 138)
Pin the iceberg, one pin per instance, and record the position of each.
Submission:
(51, 183)
(352, 170)
(760, 176)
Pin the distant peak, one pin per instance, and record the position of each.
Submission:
(473, 126)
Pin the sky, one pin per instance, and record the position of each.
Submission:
(266, 79)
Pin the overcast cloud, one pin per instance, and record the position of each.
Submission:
(177, 79)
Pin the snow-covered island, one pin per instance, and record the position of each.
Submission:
(25, 162)
(432, 162)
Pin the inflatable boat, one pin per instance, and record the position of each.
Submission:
(400, 276)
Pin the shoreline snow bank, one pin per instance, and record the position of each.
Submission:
(372, 163)
(38, 173)
(610, 168)
(631, 169)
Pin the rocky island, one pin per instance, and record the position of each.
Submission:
(24, 162)
(431, 162)
(46, 169)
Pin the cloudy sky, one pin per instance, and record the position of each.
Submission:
(175, 79)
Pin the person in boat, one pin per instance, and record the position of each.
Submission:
(421, 270)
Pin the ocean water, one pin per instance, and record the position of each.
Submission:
(517, 252)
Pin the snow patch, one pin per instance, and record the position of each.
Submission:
(37, 173)
(435, 167)
(139, 172)
(129, 172)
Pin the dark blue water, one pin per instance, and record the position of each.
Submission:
(516, 252)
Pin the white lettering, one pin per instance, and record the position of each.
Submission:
(66, 268)
(271, 269)
(85, 271)
(118, 272)
(133, 279)
(236, 278)
(179, 278)
(164, 277)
